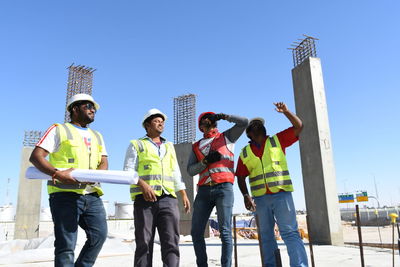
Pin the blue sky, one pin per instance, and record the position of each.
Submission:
(232, 54)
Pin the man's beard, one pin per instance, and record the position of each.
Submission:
(86, 118)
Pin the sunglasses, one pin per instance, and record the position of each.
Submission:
(89, 106)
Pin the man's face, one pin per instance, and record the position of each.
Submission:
(86, 111)
(205, 124)
(255, 129)
(156, 125)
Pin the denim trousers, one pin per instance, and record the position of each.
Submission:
(162, 215)
(69, 210)
(279, 208)
(208, 197)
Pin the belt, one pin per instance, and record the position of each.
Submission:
(211, 183)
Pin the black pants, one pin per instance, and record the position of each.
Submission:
(163, 215)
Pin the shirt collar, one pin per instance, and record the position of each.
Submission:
(78, 127)
(163, 140)
(257, 144)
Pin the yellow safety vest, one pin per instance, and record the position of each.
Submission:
(73, 153)
(270, 171)
(156, 172)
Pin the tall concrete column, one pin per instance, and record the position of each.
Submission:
(316, 154)
(183, 152)
(29, 197)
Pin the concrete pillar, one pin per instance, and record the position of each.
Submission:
(29, 199)
(183, 152)
(316, 154)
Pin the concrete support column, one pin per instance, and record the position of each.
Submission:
(316, 154)
(183, 152)
(29, 199)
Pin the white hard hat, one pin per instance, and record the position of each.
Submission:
(257, 119)
(82, 97)
(152, 112)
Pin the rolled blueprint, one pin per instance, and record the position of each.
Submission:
(95, 176)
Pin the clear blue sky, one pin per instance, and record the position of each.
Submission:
(232, 54)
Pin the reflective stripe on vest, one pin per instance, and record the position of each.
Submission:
(73, 153)
(270, 171)
(139, 191)
(221, 171)
(204, 175)
(156, 172)
(157, 177)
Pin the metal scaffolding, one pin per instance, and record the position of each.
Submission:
(31, 138)
(303, 50)
(80, 81)
(185, 119)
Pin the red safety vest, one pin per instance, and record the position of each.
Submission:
(221, 171)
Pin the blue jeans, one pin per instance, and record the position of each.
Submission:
(208, 197)
(69, 210)
(279, 208)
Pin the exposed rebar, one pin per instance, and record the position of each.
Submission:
(303, 50)
(185, 119)
(80, 81)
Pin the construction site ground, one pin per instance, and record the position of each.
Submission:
(119, 251)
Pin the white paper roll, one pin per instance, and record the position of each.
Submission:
(95, 176)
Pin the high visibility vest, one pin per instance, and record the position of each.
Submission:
(221, 171)
(73, 153)
(270, 170)
(156, 172)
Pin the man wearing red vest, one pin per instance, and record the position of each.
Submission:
(212, 159)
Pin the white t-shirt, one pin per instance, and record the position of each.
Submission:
(51, 143)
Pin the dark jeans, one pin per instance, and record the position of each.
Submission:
(208, 197)
(163, 215)
(68, 211)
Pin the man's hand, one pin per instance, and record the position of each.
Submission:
(296, 121)
(213, 156)
(249, 203)
(64, 177)
(281, 107)
(148, 192)
(220, 116)
(185, 201)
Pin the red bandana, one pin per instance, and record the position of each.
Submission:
(212, 133)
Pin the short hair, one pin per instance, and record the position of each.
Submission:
(71, 107)
(251, 127)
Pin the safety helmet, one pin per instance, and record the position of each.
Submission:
(257, 119)
(152, 112)
(202, 115)
(82, 97)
